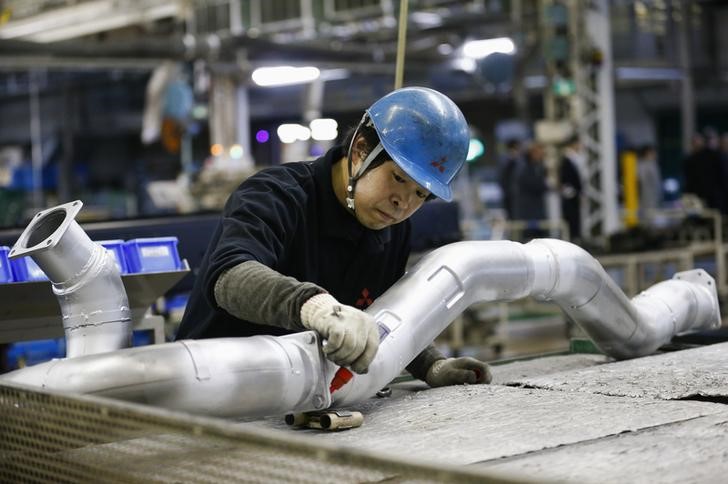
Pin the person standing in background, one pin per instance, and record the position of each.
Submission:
(724, 171)
(507, 167)
(529, 188)
(702, 168)
(650, 181)
(571, 186)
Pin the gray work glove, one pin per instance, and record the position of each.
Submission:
(351, 335)
(455, 371)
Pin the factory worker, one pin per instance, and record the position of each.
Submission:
(310, 245)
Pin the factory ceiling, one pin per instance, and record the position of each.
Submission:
(353, 42)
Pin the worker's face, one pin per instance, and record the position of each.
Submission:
(385, 196)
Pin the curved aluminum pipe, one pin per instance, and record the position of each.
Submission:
(266, 375)
(226, 377)
(85, 279)
(448, 280)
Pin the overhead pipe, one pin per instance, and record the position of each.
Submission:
(266, 375)
(85, 279)
(210, 46)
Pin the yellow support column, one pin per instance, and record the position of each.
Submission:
(630, 188)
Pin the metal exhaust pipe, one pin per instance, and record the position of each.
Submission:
(84, 277)
(414, 311)
(224, 377)
(267, 375)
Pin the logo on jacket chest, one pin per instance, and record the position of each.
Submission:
(364, 300)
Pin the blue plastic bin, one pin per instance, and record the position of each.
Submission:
(6, 273)
(33, 352)
(116, 249)
(25, 269)
(156, 254)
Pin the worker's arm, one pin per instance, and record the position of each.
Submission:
(257, 293)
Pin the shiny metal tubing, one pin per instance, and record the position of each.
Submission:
(85, 279)
(225, 377)
(448, 280)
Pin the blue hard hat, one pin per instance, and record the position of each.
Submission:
(425, 134)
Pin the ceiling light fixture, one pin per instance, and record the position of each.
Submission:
(478, 49)
(292, 132)
(324, 129)
(284, 75)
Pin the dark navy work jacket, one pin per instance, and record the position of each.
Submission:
(288, 218)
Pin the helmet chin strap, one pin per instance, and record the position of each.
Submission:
(354, 177)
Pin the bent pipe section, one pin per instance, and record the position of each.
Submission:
(85, 280)
(413, 312)
(225, 377)
(267, 375)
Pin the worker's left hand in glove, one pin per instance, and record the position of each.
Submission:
(456, 371)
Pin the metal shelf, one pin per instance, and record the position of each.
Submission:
(29, 310)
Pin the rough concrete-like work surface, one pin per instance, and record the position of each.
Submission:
(468, 424)
(693, 451)
(701, 372)
(606, 422)
(517, 370)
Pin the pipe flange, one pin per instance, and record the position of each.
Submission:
(702, 278)
(21, 247)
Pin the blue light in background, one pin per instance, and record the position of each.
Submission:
(262, 136)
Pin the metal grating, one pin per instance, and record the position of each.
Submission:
(56, 437)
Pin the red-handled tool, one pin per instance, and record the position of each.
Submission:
(344, 375)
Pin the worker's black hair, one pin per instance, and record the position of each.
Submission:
(372, 140)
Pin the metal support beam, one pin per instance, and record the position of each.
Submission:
(578, 42)
(687, 93)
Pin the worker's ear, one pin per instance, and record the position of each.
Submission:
(359, 151)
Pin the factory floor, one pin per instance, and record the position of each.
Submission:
(571, 418)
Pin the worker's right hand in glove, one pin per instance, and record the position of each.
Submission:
(456, 371)
(351, 335)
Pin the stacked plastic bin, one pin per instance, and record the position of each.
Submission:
(25, 269)
(6, 272)
(156, 254)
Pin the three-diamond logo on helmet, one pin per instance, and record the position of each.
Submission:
(440, 164)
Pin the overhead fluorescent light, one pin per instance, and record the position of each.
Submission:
(478, 49)
(284, 75)
(334, 74)
(292, 132)
(426, 19)
(464, 64)
(324, 129)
